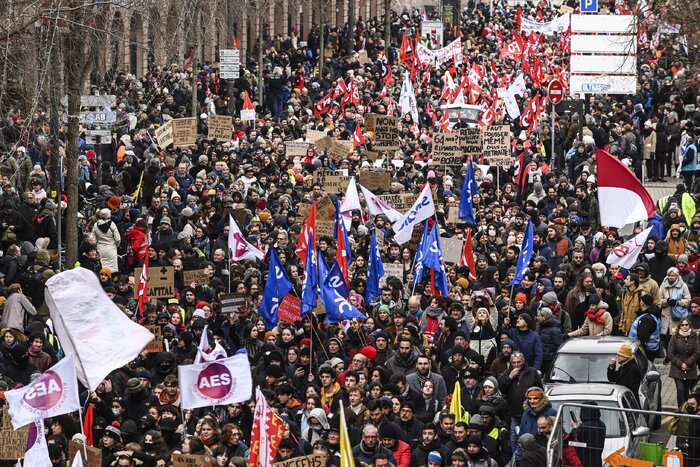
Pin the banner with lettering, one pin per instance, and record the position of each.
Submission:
(220, 382)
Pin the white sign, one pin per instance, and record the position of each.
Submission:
(611, 24)
(622, 44)
(229, 63)
(433, 32)
(558, 24)
(437, 57)
(588, 84)
(617, 64)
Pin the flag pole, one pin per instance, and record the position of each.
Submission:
(82, 427)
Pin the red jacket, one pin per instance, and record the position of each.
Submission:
(138, 246)
(402, 454)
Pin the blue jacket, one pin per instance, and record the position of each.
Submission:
(530, 345)
(690, 158)
(551, 337)
(528, 421)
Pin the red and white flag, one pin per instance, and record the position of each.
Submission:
(340, 89)
(622, 198)
(142, 293)
(204, 351)
(267, 433)
(626, 254)
(54, 393)
(309, 228)
(324, 105)
(467, 258)
(220, 382)
(248, 111)
(239, 248)
(358, 139)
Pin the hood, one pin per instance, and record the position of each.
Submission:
(541, 405)
(590, 413)
(42, 256)
(320, 415)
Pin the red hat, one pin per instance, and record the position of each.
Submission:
(521, 297)
(90, 155)
(201, 304)
(260, 204)
(114, 202)
(369, 352)
(305, 342)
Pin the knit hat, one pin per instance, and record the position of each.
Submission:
(521, 297)
(682, 259)
(648, 300)
(474, 440)
(264, 216)
(463, 282)
(695, 300)
(550, 297)
(434, 456)
(507, 342)
(274, 371)
(384, 308)
(546, 312)
(491, 381)
(625, 350)
(527, 318)
(114, 202)
(106, 271)
(334, 361)
(269, 334)
(187, 212)
(369, 352)
(113, 432)
(594, 299)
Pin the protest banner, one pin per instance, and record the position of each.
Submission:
(296, 148)
(303, 210)
(385, 129)
(198, 276)
(340, 149)
(161, 280)
(314, 135)
(184, 131)
(156, 345)
(394, 200)
(375, 180)
(94, 455)
(447, 149)
(325, 143)
(233, 302)
(391, 270)
(505, 162)
(452, 211)
(164, 134)
(332, 181)
(496, 141)
(289, 310)
(470, 140)
(13, 444)
(192, 460)
(220, 127)
(451, 249)
(312, 460)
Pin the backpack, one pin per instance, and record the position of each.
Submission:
(119, 179)
(32, 282)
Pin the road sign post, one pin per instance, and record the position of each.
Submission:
(555, 93)
(589, 6)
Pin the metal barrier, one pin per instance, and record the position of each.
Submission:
(627, 436)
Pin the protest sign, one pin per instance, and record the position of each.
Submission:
(312, 460)
(325, 143)
(340, 149)
(504, 162)
(156, 345)
(451, 249)
(452, 211)
(375, 180)
(233, 302)
(496, 142)
(184, 131)
(470, 140)
(391, 270)
(161, 281)
(220, 127)
(198, 276)
(303, 210)
(380, 238)
(13, 444)
(385, 129)
(164, 134)
(372, 155)
(314, 135)
(363, 57)
(192, 460)
(324, 228)
(447, 149)
(325, 208)
(296, 148)
(94, 455)
(290, 309)
(332, 181)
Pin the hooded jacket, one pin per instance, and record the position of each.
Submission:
(551, 337)
(591, 432)
(529, 344)
(528, 420)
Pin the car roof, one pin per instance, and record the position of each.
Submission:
(586, 391)
(597, 344)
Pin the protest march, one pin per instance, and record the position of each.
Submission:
(410, 240)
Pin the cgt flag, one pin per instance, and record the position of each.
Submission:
(219, 382)
(267, 433)
(626, 254)
(54, 393)
(420, 211)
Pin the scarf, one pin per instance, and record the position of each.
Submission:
(493, 399)
(595, 315)
(33, 353)
(685, 333)
(682, 268)
(433, 312)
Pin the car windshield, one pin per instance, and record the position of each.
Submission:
(615, 426)
(580, 368)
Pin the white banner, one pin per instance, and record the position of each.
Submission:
(220, 382)
(55, 392)
(420, 211)
(626, 254)
(91, 326)
(376, 206)
(557, 25)
(38, 450)
(437, 57)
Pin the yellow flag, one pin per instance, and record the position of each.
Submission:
(135, 196)
(456, 405)
(346, 457)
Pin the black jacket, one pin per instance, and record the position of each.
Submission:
(592, 433)
(536, 457)
(628, 375)
(514, 389)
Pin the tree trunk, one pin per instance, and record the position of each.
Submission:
(387, 26)
(321, 41)
(351, 27)
(261, 46)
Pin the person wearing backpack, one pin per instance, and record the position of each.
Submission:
(17, 307)
(33, 279)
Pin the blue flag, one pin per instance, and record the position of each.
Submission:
(333, 293)
(420, 254)
(309, 292)
(521, 266)
(466, 211)
(277, 287)
(376, 270)
(433, 259)
(339, 229)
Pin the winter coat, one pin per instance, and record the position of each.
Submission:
(483, 338)
(628, 374)
(402, 454)
(676, 291)
(551, 337)
(14, 315)
(515, 390)
(649, 145)
(591, 432)
(591, 327)
(108, 240)
(683, 350)
(530, 345)
(138, 246)
(536, 457)
(528, 421)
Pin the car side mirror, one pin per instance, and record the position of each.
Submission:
(653, 376)
(641, 431)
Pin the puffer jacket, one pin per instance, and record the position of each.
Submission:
(551, 337)
(528, 421)
(676, 291)
(683, 350)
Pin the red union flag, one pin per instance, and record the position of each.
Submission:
(239, 248)
(626, 254)
(267, 433)
(143, 288)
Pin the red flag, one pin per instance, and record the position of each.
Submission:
(514, 49)
(87, 424)
(358, 139)
(341, 257)
(340, 89)
(234, 42)
(310, 226)
(467, 258)
(267, 433)
(324, 105)
(143, 289)
(247, 104)
(521, 171)
(188, 62)
(519, 17)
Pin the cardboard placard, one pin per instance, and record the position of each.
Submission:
(303, 210)
(447, 149)
(470, 139)
(372, 155)
(451, 249)
(391, 270)
(192, 460)
(312, 460)
(325, 208)
(13, 444)
(220, 127)
(184, 131)
(452, 211)
(340, 149)
(196, 275)
(380, 238)
(496, 142)
(332, 181)
(161, 282)
(233, 302)
(94, 455)
(296, 148)
(289, 310)
(241, 215)
(156, 345)
(504, 162)
(164, 134)
(363, 57)
(314, 135)
(415, 239)
(324, 228)
(386, 131)
(375, 180)
(325, 143)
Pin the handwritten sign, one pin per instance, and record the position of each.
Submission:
(452, 207)
(332, 181)
(192, 460)
(504, 162)
(380, 238)
(372, 155)
(375, 180)
(496, 142)
(391, 270)
(314, 135)
(196, 275)
(164, 134)
(312, 460)
(451, 249)
(447, 149)
(325, 208)
(156, 345)
(296, 148)
(340, 149)
(233, 302)
(160, 282)
(324, 228)
(289, 310)
(94, 455)
(325, 143)
(386, 131)
(470, 140)
(220, 127)
(13, 444)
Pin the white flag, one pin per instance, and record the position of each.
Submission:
(205, 353)
(77, 460)
(351, 201)
(407, 100)
(420, 211)
(221, 382)
(91, 326)
(626, 254)
(238, 246)
(377, 206)
(38, 451)
(55, 392)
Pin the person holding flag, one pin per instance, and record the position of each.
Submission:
(277, 287)
(469, 189)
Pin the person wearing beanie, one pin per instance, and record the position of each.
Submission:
(476, 453)
(537, 405)
(549, 329)
(625, 371)
(590, 430)
(533, 455)
(389, 435)
(527, 341)
(684, 269)
(647, 327)
(435, 459)
(551, 301)
(598, 321)
(505, 348)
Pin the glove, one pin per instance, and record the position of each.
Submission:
(672, 302)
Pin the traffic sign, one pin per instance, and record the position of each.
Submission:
(105, 117)
(589, 6)
(555, 91)
(229, 63)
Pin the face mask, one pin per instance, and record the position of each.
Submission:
(492, 233)
(148, 446)
(117, 412)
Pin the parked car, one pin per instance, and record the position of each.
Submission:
(622, 428)
(586, 359)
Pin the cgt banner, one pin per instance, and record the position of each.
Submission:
(221, 382)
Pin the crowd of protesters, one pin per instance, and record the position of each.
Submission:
(395, 371)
